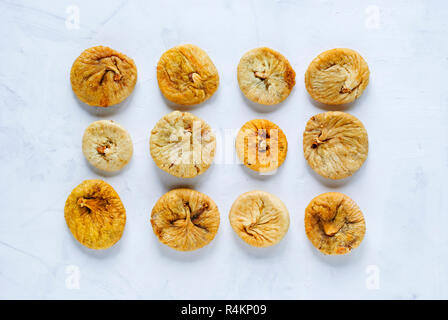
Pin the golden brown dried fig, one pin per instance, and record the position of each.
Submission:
(334, 223)
(187, 75)
(95, 214)
(265, 76)
(337, 76)
(182, 144)
(335, 144)
(102, 77)
(185, 219)
(107, 145)
(261, 145)
(259, 218)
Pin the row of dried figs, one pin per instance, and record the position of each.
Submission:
(186, 75)
(186, 219)
(335, 144)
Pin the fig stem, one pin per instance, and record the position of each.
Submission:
(260, 75)
(90, 204)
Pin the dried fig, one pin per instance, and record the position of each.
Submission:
(337, 76)
(186, 75)
(335, 144)
(261, 145)
(95, 214)
(334, 223)
(259, 218)
(102, 77)
(185, 219)
(265, 76)
(107, 145)
(182, 144)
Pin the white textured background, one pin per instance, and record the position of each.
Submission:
(401, 188)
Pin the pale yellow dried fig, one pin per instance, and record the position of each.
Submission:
(335, 144)
(182, 144)
(265, 76)
(337, 76)
(334, 223)
(102, 77)
(107, 145)
(259, 218)
(185, 219)
(261, 145)
(186, 75)
(95, 214)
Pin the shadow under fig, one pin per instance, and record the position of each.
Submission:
(179, 107)
(107, 111)
(110, 252)
(262, 176)
(184, 256)
(261, 108)
(341, 107)
(329, 183)
(353, 257)
(262, 253)
(171, 182)
(107, 174)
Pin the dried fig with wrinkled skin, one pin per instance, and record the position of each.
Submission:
(185, 219)
(186, 75)
(261, 145)
(95, 214)
(265, 76)
(259, 218)
(334, 223)
(182, 144)
(337, 76)
(107, 145)
(102, 77)
(335, 144)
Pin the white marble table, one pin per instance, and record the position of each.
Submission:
(402, 187)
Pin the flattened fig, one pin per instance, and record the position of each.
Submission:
(107, 145)
(185, 219)
(95, 214)
(335, 144)
(261, 145)
(337, 76)
(186, 75)
(259, 218)
(334, 223)
(182, 144)
(102, 77)
(265, 76)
